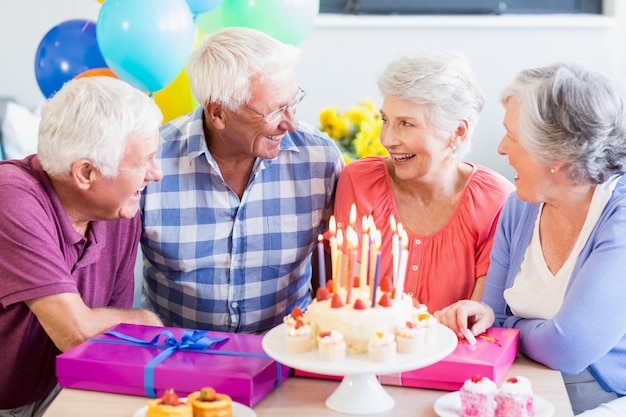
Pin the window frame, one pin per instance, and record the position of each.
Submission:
(461, 7)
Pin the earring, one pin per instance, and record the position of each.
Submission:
(552, 170)
(453, 147)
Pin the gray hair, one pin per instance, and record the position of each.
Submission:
(441, 81)
(93, 118)
(574, 115)
(221, 69)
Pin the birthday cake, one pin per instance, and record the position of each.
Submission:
(368, 311)
(358, 321)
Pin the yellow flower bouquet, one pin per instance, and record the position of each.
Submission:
(356, 131)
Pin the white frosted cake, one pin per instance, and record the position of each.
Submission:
(358, 321)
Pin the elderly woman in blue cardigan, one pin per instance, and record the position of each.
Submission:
(557, 269)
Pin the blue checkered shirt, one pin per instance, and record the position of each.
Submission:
(213, 261)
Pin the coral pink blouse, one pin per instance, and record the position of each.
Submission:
(443, 266)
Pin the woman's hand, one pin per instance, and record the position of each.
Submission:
(466, 314)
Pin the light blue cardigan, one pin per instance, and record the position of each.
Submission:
(590, 328)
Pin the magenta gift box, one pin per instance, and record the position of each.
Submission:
(238, 366)
(491, 356)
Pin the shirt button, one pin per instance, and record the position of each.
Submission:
(418, 242)
(414, 267)
(235, 304)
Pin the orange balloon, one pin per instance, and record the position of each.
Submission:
(96, 72)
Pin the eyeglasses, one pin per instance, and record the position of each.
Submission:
(279, 112)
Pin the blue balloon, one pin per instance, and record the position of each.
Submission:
(203, 6)
(146, 42)
(68, 49)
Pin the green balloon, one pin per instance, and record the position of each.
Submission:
(210, 21)
(289, 21)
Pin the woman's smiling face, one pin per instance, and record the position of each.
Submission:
(532, 178)
(415, 146)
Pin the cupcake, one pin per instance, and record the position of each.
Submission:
(299, 338)
(410, 338)
(427, 323)
(515, 398)
(331, 346)
(208, 403)
(168, 405)
(382, 347)
(477, 397)
(299, 333)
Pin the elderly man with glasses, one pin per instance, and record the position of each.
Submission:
(228, 233)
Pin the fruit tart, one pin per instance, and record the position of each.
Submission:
(169, 405)
(208, 403)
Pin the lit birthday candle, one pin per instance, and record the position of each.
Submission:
(321, 263)
(395, 249)
(365, 249)
(347, 267)
(353, 215)
(404, 259)
(376, 245)
(332, 227)
(337, 279)
(353, 261)
(372, 268)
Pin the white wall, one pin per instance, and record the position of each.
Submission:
(343, 54)
(350, 52)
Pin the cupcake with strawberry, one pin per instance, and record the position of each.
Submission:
(299, 334)
(331, 345)
(410, 338)
(515, 398)
(477, 397)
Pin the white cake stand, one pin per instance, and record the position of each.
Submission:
(359, 392)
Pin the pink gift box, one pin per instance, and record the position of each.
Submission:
(237, 366)
(491, 356)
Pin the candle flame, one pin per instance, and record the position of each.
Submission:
(353, 214)
(405, 239)
(365, 224)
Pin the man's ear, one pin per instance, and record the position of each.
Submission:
(215, 113)
(83, 173)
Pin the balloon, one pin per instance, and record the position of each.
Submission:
(64, 52)
(96, 72)
(145, 42)
(288, 21)
(211, 21)
(203, 6)
(176, 99)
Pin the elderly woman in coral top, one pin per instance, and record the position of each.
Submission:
(449, 208)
